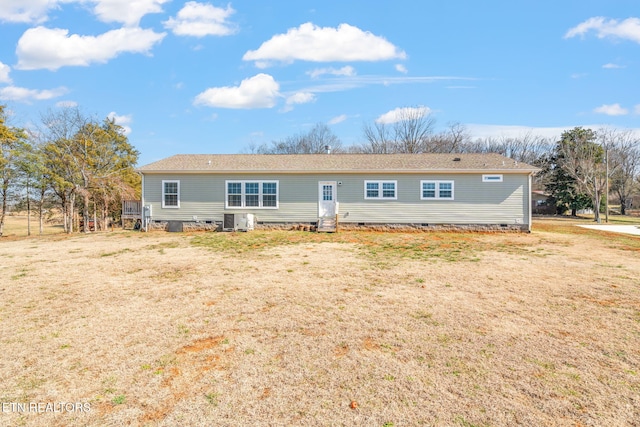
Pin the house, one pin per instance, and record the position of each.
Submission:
(542, 203)
(423, 191)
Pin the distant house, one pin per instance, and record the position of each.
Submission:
(542, 203)
(422, 191)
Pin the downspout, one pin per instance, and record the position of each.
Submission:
(530, 208)
(142, 217)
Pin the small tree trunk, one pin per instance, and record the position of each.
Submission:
(85, 214)
(4, 210)
(596, 208)
(72, 202)
(28, 211)
(41, 205)
(65, 226)
(104, 217)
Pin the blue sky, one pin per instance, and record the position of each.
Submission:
(214, 77)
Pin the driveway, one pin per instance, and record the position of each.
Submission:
(626, 229)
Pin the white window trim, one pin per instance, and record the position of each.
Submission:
(243, 194)
(380, 197)
(437, 189)
(492, 178)
(165, 206)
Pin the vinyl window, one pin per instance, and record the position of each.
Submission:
(251, 194)
(386, 190)
(491, 178)
(171, 194)
(436, 190)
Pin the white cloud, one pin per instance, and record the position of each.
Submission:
(402, 113)
(352, 82)
(66, 104)
(629, 29)
(401, 68)
(4, 73)
(512, 131)
(128, 12)
(301, 98)
(122, 121)
(611, 110)
(344, 71)
(200, 19)
(578, 75)
(611, 65)
(324, 44)
(42, 47)
(259, 91)
(516, 131)
(338, 119)
(21, 94)
(636, 109)
(298, 98)
(26, 11)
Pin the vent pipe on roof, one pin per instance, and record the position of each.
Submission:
(327, 149)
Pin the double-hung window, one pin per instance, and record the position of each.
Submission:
(252, 194)
(386, 190)
(170, 194)
(436, 190)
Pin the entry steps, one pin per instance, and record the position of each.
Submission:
(327, 224)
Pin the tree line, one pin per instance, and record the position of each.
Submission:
(576, 170)
(85, 167)
(79, 164)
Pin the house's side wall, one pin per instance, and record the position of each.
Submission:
(475, 202)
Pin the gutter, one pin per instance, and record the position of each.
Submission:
(337, 171)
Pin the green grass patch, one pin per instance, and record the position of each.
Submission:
(255, 241)
(386, 247)
(452, 247)
(121, 251)
(119, 399)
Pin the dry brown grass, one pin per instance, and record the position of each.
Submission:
(17, 225)
(294, 328)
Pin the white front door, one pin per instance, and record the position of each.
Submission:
(327, 198)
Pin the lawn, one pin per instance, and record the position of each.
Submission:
(298, 328)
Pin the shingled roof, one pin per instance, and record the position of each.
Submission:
(344, 163)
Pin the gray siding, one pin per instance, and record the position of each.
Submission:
(475, 202)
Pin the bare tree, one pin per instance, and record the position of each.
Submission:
(379, 139)
(582, 158)
(412, 130)
(58, 133)
(528, 148)
(86, 159)
(408, 131)
(313, 142)
(453, 140)
(623, 157)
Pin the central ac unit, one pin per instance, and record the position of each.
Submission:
(238, 222)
